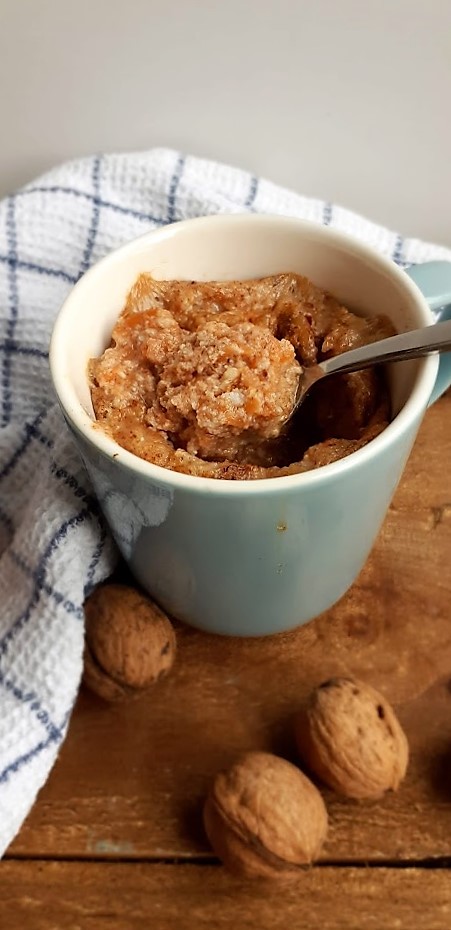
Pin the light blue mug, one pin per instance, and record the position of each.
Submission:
(249, 558)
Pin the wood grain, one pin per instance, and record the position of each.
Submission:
(114, 896)
(130, 780)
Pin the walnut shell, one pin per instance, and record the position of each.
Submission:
(349, 736)
(264, 818)
(130, 643)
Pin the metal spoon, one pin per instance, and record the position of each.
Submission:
(413, 344)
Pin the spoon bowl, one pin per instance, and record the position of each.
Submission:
(413, 344)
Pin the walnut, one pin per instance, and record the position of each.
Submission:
(264, 818)
(349, 736)
(130, 643)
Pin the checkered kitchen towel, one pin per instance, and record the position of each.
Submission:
(53, 545)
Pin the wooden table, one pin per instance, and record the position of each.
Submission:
(115, 840)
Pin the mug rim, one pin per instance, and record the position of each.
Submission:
(117, 455)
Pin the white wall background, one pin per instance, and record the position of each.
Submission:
(348, 100)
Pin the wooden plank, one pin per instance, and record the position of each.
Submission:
(126, 787)
(112, 896)
(130, 780)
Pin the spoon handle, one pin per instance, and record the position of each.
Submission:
(413, 344)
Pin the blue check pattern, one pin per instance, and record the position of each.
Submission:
(54, 547)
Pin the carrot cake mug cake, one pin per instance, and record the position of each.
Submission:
(175, 361)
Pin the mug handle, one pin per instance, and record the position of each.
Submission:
(434, 281)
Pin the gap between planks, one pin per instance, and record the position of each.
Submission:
(440, 862)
